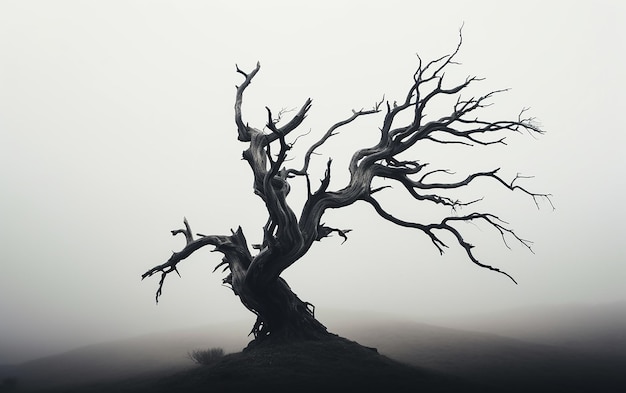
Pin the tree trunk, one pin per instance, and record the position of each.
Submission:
(281, 315)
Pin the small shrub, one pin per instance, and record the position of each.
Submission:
(206, 356)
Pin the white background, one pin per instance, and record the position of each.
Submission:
(116, 121)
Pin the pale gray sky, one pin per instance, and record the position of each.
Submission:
(116, 121)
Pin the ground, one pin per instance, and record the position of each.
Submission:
(331, 365)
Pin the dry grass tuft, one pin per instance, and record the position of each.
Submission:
(206, 356)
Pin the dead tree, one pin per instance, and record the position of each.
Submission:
(255, 276)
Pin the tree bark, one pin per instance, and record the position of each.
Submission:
(283, 316)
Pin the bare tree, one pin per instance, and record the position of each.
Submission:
(288, 235)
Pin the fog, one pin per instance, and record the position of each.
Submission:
(116, 121)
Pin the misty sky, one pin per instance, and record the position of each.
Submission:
(116, 120)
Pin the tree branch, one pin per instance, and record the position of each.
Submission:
(381, 160)
(233, 247)
(331, 131)
(444, 225)
(242, 129)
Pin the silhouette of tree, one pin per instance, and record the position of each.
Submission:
(255, 276)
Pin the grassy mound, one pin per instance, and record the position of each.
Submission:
(331, 365)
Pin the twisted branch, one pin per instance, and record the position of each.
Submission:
(233, 247)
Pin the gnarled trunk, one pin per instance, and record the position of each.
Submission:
(282, 315)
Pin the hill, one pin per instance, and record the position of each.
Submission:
(500, 362)
(146, 355)
(440, 358)
(334, 365)
(594, 328)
